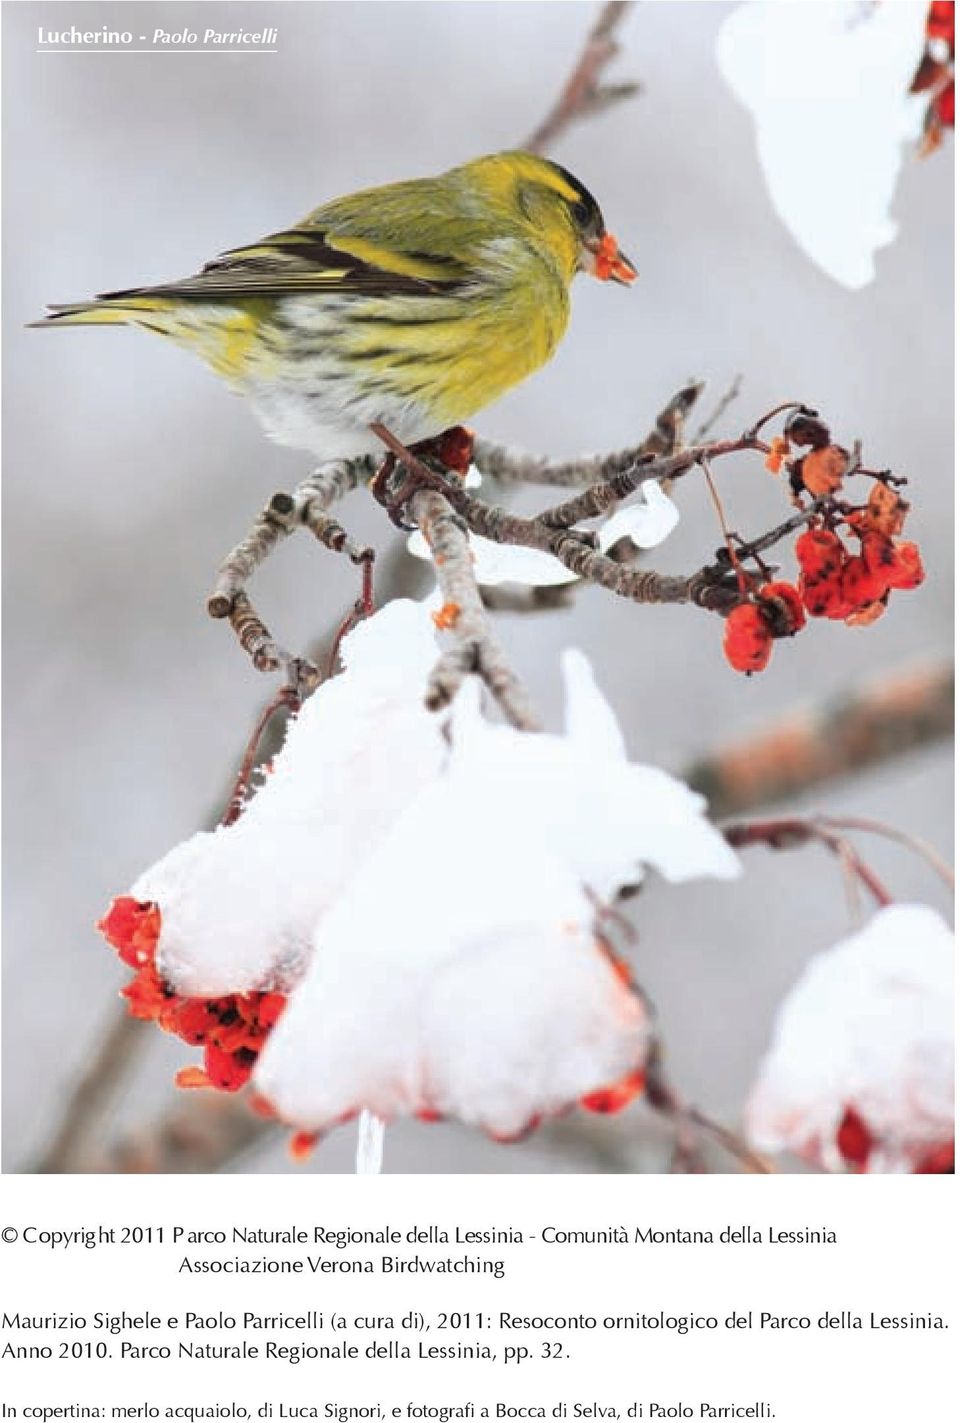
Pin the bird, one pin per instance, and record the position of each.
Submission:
(408, 306)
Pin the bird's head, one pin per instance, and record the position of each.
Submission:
(565, 216)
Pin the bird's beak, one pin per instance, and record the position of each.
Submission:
(607, 263)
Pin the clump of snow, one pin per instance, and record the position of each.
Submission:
(460, 974)
(503, 563)
(456, 976)
(602, 815)
(827, 85)
(650, 519)
(426, 892)
(240, 904)
(868, 1028)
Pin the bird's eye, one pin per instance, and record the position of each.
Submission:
(581, 212)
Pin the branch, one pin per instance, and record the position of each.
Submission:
(202, 1132)
(902, 712)
(663, 1097)
(704, 588)
(510, 466)
(665, 437)
(115, 1053)
(583, 95)
(305, 508)
(476, 647)
(791, 833)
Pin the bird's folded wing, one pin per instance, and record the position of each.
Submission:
(306, 259)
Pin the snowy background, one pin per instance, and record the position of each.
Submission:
(129, 471)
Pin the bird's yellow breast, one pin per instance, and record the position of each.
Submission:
(459, 353)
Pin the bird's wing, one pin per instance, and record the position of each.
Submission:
(307, 259)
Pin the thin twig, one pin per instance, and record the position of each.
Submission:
(362, 608)
(634, 468)
(287, 699)
(743, 578)
(582, 95)
(305, 508)
(576, 551)
(476, 647)
(749, 1159)
(719, 410)
(663, 1097)
(510, 466)
(789, 833)
(901, 837)
(667, 434)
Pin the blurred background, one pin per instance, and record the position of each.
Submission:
(129, 471)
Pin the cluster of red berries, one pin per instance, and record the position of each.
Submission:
(231, 1030)
(855, 1144)
(935, 75)
(850, 582)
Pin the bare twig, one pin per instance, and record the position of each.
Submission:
(891, 832)
(267, 655)
(719, 410)
(624, 472)
(287, 699)
(789, 833)
(511, 466)
(305, 508)
(476, 648)
(703, 588)
(583, 95)
(687, 1156)
(667, 435)
(362, 608)
(749, 1159)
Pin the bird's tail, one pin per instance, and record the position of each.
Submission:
(112, 311)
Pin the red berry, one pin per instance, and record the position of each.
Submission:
(132, 927)
(853, 1139)
(228, 1071)
(820, 554)
(945, 106)
(193, 1020)
(861, 586)
(908, 570)
(613, 1099)
(782, 607)
(747, 640)
(938, 1162)
(824, 597)
(940, 21)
